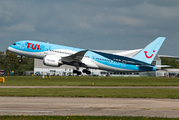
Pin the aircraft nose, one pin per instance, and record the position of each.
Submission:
(9, 48)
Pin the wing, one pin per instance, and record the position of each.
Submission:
(77, 57)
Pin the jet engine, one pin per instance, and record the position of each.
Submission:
(51, 60)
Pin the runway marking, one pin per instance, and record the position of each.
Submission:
(26, 111)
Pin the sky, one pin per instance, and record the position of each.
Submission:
(92, 24)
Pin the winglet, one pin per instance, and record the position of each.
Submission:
(148, 54)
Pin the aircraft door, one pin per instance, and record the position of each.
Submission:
(46, 49)
(123, 63)
(22, 46)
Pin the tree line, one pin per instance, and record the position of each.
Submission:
(9, 62)
(172, 62)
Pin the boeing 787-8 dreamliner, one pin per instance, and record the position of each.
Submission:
(57, 55)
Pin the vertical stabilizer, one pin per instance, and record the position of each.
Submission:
(148, 54)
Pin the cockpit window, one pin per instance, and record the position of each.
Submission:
(14, 43)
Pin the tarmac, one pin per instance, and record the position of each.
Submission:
(89, 106)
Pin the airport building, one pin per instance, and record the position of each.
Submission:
(66, 70)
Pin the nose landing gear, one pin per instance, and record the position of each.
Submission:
(20, 60)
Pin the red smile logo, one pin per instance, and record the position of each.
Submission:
(147, 55)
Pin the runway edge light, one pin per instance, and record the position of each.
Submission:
(2, 79)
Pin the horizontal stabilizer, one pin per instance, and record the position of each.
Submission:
(145, 66)
(163, 66)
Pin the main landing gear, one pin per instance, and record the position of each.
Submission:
(84, 71)
(77, 72)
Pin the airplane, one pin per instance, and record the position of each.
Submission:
(56, 55)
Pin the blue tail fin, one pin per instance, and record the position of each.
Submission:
(148, 54)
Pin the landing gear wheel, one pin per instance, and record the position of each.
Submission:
(85, 70)
(75, 71)
(88, 72)
(20, 60)
(78, 73)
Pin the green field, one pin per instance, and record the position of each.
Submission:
(87, 81)
(92, 92)
(80, 118)
(88, 92)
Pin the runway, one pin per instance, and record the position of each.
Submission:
(143, 87)
(89, 106)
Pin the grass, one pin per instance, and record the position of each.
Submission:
(85, 92)
(81, 118)
(87, 81)
(92, 92)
